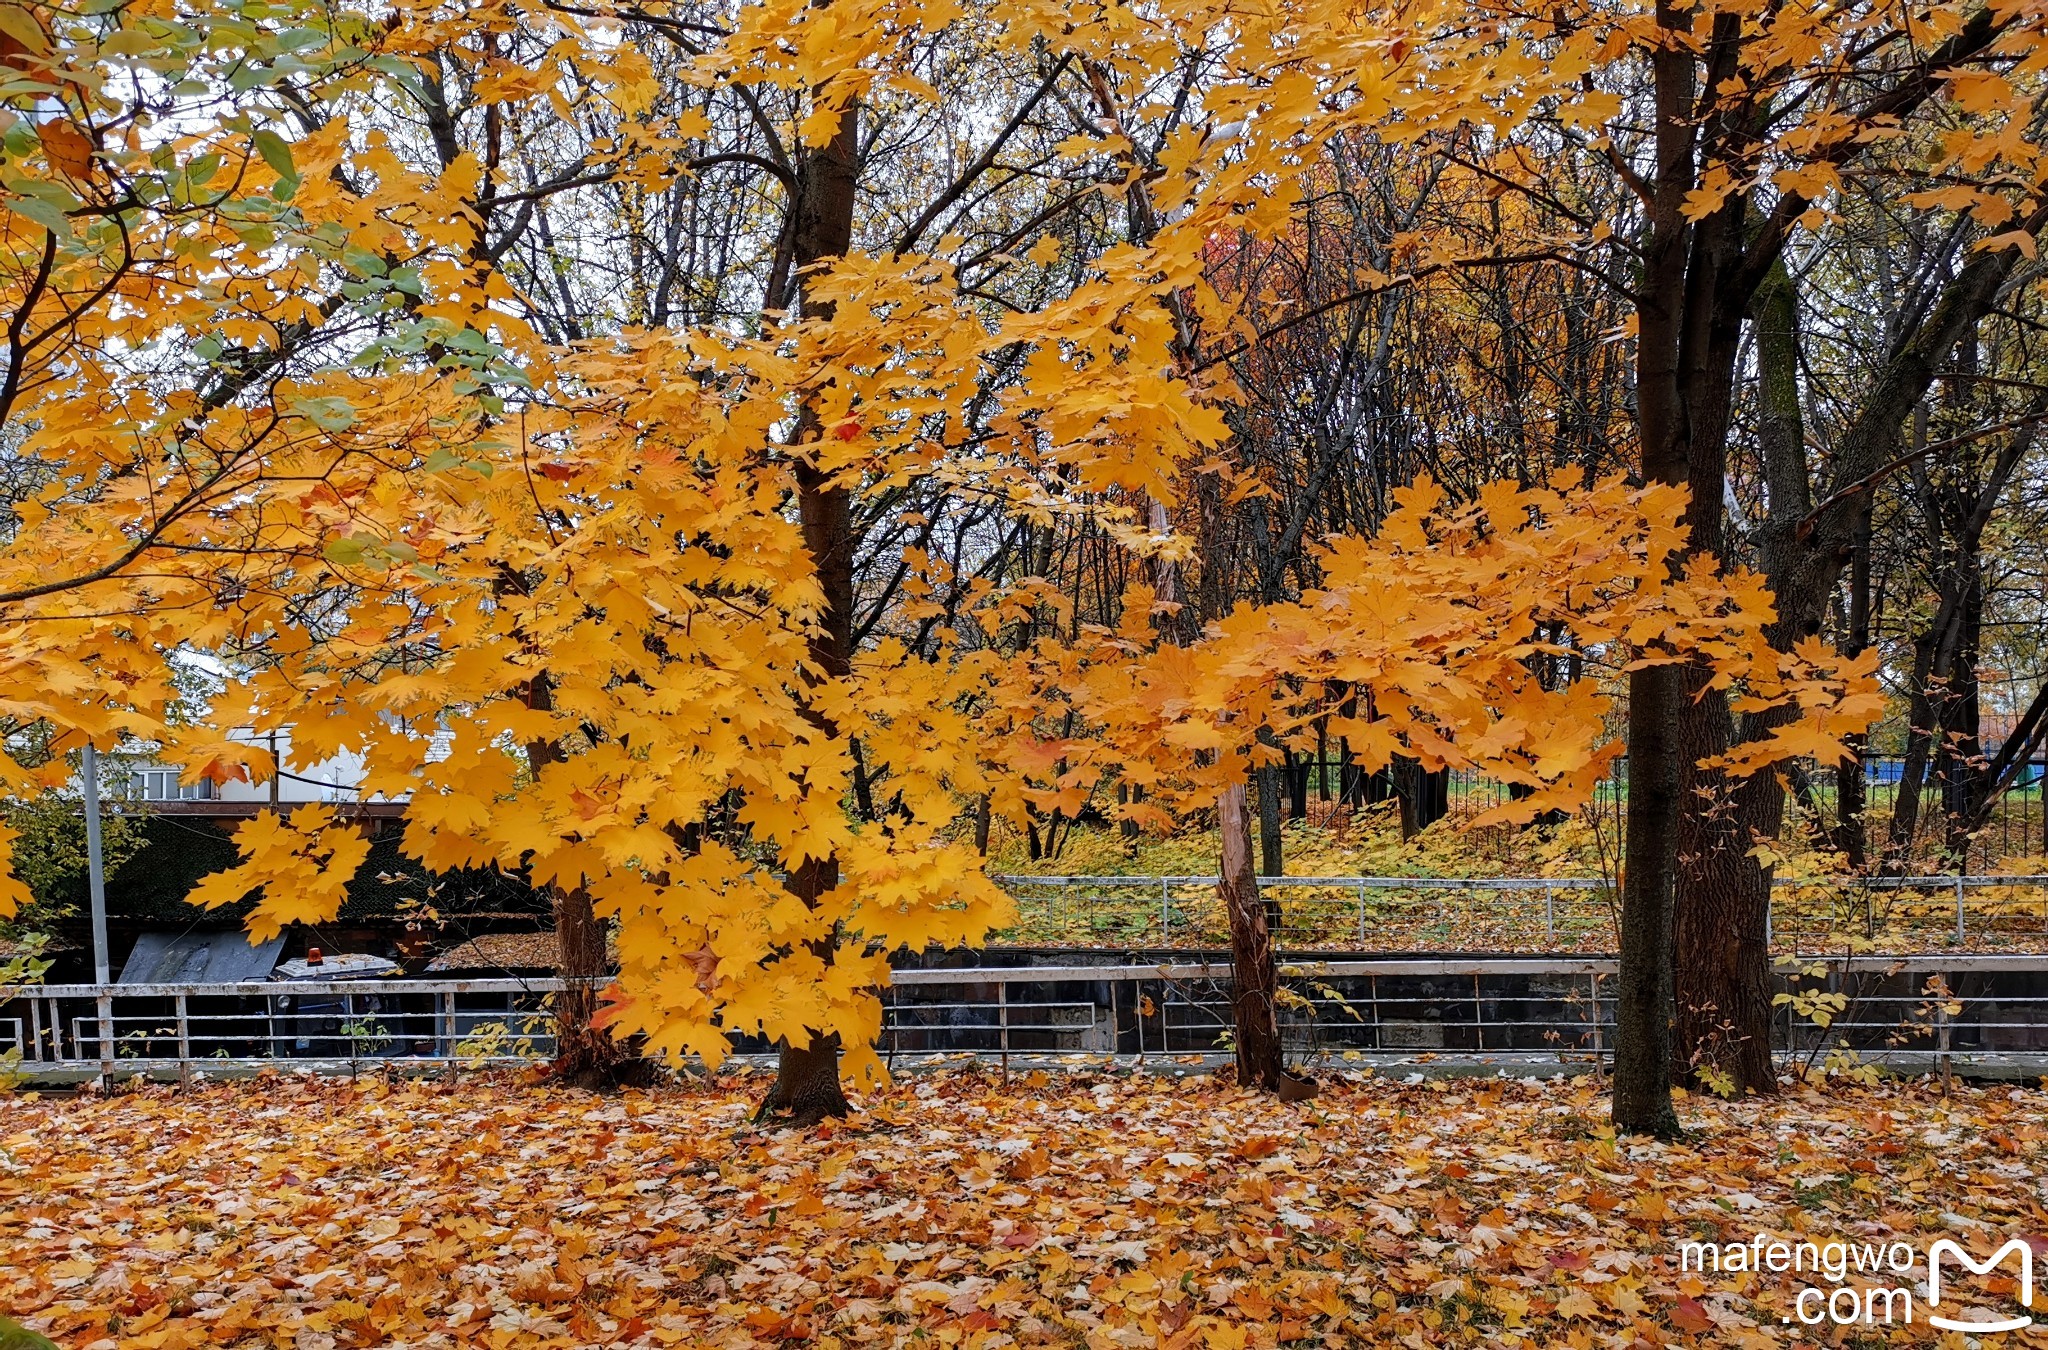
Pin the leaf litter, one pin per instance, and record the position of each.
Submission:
(957, 1209)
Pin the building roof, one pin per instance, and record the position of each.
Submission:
(507, 951)
(223, 957)
(216, 809)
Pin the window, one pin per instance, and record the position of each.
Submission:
(162, 785)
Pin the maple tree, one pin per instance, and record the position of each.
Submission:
(1427, 630)
(511, 550)
(565, 408)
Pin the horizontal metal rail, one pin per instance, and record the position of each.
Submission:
(1554, 1008)
(1160, 903)
(1512, 883)
(1045, 974)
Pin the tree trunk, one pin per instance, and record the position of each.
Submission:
(1722, 990)
(1642, 996)
(1425, 795)
(1270, 777)
(1959, 762)
(586, 1055)
(806, 1088)
(1642, 1007)
(1254, 978)
(1852, 829)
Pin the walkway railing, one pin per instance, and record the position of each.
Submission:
(1923, 1011)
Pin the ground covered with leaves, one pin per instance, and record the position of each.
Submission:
(958, 1209)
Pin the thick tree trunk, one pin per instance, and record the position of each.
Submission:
(1254, 978)
(1322, 764)
(1852, 828)
(1425, 795)
(1959, 762)
(1721, 996)
(586, 1055)
(1722, 989)
(806, 1089)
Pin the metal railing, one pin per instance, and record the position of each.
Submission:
(1513, 911)
(2017, 826)
(1931, 1010)
(322, 1022)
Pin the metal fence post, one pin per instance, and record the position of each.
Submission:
(184, 1042)
(1478, 1014)
(103, 1006)
(1599, 1045)
(1549, 918)
(1959, 907)
(1165, 908)
(1941, 1029)
(1361, 916)
(1003, 1015)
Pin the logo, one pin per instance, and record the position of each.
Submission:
(1850, 1288)
(2026, 1290)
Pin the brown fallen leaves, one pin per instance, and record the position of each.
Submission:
(1070, 1211)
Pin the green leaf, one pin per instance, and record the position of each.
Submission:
(15, 1336)
(329, 412)
(41, 212)
(346, 551)
(362, 262)
(276, 153)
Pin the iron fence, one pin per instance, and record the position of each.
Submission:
(2017, 826)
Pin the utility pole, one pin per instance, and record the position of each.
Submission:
(96, 879)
